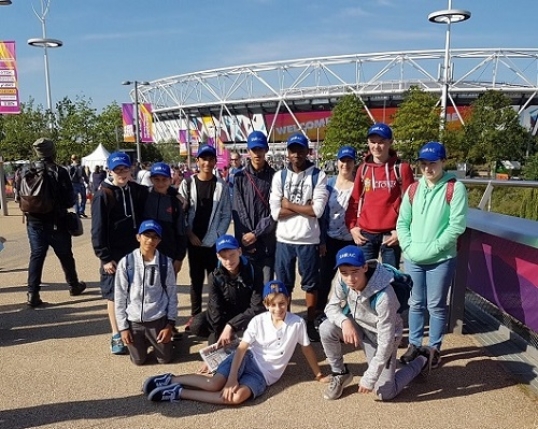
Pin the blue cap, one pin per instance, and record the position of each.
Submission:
(150, 225)
(206, 150)
(350, 255)
(275, 286)
(347, 152)
(118, 159)
(298, 138)
(257, 139)
(160, 169)
(432, 151)
(225, 242)
(380, 129)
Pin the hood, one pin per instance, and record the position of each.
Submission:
(378, 281)
(393, 156)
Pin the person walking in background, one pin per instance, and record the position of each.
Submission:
(337, 234)
(208, 218)
(380, 183)
(298, 198)
(143, 175)
(432, 217)
(79, 179)
(117, 210)
(49, 227)
(253, 225)
(235, 167)
(97, 178)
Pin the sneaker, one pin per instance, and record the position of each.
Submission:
(189, 323)
(166, 393)
(429, 354)
(404, 343)
(337, 385)
(116, 345)
(313, 333)
(77, 289)
(436, 358)
(33, 300)
(411, 354)
(152, 383)
(82, 215)
(176, 335)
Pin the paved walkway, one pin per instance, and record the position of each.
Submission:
(56, 370)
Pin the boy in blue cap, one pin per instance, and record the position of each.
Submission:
(146, 298)
(259, 361)
(362, 311)
(116, 215)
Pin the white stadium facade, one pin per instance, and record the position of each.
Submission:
(222, 106)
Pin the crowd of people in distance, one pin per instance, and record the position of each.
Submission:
(341, 233)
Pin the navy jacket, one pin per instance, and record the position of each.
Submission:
(250, 212)
(167, 210)
(116, 216)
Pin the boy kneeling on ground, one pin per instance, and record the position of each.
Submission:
(259, 361)
(363, 312)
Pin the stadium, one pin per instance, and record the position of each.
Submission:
(222, 106)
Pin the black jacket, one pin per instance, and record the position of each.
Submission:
(116, 216)
(251, 211)
(233, 301)
(167, 210)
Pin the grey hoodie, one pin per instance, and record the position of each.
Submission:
(382, 324)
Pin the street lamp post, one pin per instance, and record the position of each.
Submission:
(448, 17)
(45, 43)
(136, 115)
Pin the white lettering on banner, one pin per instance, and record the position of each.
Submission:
(8, 103)
(8, 85)
(7, 79)
(8, 97)
(308, 125)
(8, 72)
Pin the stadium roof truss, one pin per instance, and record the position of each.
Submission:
(316, 84)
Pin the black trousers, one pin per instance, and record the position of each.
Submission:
(202, 261)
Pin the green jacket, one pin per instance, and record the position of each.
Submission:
(429, 228)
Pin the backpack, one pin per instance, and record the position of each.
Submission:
(449, 191)
(37, 190)
(163, 270)
(401, 283)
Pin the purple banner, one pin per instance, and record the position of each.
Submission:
(127, 116)
(9, 88)
(145, 116)
(506, 274)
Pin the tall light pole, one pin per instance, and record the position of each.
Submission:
(5, 2)
(136, 115)
(45, 43)
(448, 17)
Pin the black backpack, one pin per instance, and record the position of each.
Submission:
(37, 190)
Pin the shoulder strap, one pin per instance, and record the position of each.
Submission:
(315, 176)
(374, 298)
(346, 310)
(364, 169)
(411, 191)
(129, 267)
(283, 174)
(449, 194)
(397, 167)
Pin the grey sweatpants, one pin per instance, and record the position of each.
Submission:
(391, 381)
(145, 334)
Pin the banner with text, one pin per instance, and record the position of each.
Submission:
(313, 123)
(9, 88)
(145, 117)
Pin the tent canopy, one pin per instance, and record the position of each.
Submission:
(97, 157)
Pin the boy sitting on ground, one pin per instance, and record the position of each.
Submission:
(259, 360)
(363, 312)
(145, 302)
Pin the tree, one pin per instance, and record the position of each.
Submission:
(108, 127)
(493, 131)
(416, 122)
(348, 126)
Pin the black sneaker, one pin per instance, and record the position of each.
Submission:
(436, 361)
(313, 333)
(77, 289)
(33, 300)
(429, 353)
(411, 354)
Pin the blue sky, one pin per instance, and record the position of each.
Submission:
(109, 41)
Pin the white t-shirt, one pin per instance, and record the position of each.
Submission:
(143, 177)
(273, 348)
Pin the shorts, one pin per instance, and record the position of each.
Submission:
(106, 284)
(249, 373)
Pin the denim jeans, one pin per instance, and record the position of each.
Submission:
(308, 257)
(80, 190)
(431, 284)
(371, 249)
(41, 236)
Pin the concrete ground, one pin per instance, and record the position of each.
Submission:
(56, 370)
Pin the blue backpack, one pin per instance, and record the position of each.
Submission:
(163, 270)
(401, 283)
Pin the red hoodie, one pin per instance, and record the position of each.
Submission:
(382, 195)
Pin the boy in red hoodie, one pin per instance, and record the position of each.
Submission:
(380, 183)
